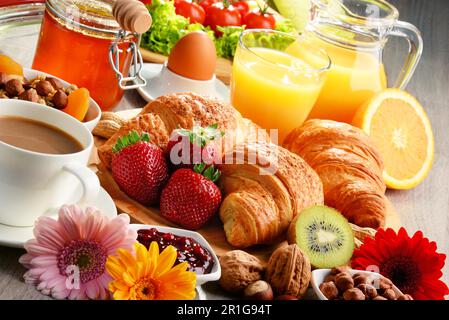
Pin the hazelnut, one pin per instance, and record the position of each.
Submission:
(353, 294)
(329, 277)
(405, 297)
(238, 270)
(389, 294)
(338, 270)
(289, 271)
(60, 100)
(368, 290)
(259, 290)
(344, 281)
(55, 83)
(29, 95)
(329, 290)
(384, 284)
(361, 279)
(286, 297)
(44, 88)
(380, 298)
(14, 87)
(3, 79)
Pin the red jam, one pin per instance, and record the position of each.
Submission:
(199, 259)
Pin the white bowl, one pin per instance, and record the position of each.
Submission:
(215, 273)
(93, 113)
(319, 275)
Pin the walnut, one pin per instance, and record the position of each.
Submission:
(289, 271)
(238, 270)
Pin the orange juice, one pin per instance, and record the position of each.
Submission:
(354, 77)
(274, 89)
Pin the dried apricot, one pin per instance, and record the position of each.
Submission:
(9, 66)
(78, 103)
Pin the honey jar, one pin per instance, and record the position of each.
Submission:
(80, 40)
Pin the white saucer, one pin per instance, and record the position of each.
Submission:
(152, 70)
(16, 237)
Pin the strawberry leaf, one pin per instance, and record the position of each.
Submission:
(201, 136)
(210, 173)
(130, 139)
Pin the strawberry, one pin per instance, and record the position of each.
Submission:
(139, 168)
(191, 197)
(189, 147)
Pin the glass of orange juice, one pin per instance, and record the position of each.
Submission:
(273, 87)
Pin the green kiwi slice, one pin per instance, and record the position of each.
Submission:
(324, 235)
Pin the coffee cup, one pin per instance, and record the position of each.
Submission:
(33, 183)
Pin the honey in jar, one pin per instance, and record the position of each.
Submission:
(74, 44)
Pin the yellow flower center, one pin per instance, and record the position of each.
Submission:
(146, 289)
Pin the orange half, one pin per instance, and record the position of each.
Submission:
(401, 130)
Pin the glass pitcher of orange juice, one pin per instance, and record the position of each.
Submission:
(354, 33)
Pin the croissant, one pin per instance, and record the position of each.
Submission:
(183, 110)
(349, 166)
(264, 188)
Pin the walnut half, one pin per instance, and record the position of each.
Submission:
(238, 270)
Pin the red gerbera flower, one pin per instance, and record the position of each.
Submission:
(412, 264)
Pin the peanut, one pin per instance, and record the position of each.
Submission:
(106, 128)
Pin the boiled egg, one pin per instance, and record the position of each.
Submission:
(194, 57)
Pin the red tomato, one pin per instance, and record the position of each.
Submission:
(206, 4)
(221, 15)
(242, 7)
(194, 12)
(257, 19)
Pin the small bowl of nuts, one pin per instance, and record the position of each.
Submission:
(39, 87)
(343, 283)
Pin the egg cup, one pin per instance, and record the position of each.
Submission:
(161, 81)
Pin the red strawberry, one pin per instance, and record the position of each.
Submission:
(139, 168)
(189, 147)
(190, 199)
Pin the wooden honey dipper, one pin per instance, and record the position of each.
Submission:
(132, 15)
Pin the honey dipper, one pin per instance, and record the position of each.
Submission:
(132, 15)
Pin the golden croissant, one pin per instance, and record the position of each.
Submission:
(184, 110)
(349, 166)
(264, 188)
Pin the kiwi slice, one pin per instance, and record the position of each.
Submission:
(324, 235)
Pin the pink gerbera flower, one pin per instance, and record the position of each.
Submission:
(68, 256)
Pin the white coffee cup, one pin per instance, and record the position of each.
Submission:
(33, 183)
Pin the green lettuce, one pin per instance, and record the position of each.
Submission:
(168, 28)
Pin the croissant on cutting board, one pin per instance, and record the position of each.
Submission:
(349, 166)
(183, 110)
(264, 188)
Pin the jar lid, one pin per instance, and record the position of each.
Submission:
(92, 16)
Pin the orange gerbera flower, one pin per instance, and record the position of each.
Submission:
(148, 275)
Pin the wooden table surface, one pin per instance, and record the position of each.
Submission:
(424, 208)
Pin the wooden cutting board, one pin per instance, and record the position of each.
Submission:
(213, 231)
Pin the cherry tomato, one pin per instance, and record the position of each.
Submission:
(194, 12)
(223, 15)
(206, 4)
(242, 7)
(258, 19)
